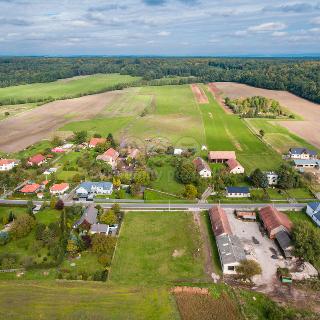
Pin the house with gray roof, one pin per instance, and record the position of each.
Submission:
(89, 217)
(87, 188)
(313, 211)
(231, 252)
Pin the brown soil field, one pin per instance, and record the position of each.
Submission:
(199, 94)
(193, 306)
(218, 95)
(308, 129)
(29, 127)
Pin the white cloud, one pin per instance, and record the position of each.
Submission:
(241, 33)
(164, 33)
(269, 26)
(279, 34)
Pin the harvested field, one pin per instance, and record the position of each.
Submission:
(308, 129)
(199, 94)
(194, 306)
(218, 95)
(29, 127)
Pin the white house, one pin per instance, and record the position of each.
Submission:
(177, 151)
(313, 211)
(202, 167)
(234, 166)
(87, 188)
(237, 192)
(302, 153)
(272, 178)
(7, 164)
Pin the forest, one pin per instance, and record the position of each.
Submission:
(256, 107)
(299, 76)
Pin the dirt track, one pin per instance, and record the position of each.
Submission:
(29, 127)
(199, 94)
(308, 129)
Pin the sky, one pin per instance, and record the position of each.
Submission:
(159, 27)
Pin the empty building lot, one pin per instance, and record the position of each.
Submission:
(262, 252)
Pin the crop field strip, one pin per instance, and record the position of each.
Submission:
(228, 132)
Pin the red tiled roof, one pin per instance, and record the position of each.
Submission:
(221, 155)
(59, 187)
(6, 161)
(110, 153)
(133, 153)
(96, 141)
(272, 218)
(30, 188)
(37, 159)
(200, 164)
(232, 163)
(219, 221)
(58, 150)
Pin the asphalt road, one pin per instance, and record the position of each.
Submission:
(173, 206)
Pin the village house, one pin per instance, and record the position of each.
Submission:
(87, 188)
(88, 218)
(30, 188)
(272, 178)
(110, 156)
(230, 249)
(8, 164)
(178, 151)
(95, 141)
(202, 167)
(237, 192)
(221, 156)
(313, 211)
(37, 160)
(234, 166)
(59, 189)
(274, 221)
(103, 228)
(58, 150)
(302, 153)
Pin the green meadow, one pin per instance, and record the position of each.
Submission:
(156, 249)
(229, 132)
(83, 300)
(280, 138)
(61, 89)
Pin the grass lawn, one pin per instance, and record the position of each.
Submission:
(4, 212)
(298, 216)
(64, 88)
(229, 132)
(83, 300)
(47, 216)
(104, 126)
(34, 149)
(300, 193)
(277, 136)
(166, 180)
(157, 248)
(274, 194)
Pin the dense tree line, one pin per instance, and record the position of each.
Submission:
(299, 76)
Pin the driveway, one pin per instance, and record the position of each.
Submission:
(261, 252)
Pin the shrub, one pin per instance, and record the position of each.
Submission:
(22, 226)
(104, 259)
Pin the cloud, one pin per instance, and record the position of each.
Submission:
(269, 26)
(15, 22)
(279, 34)
(164, 33)
(299, 7)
